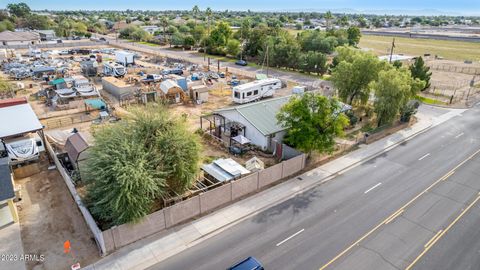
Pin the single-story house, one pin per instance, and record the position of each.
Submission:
(117, 26)
(46, 35)
(19, 38)
(151, 29)
(259, 120)
(8, 210)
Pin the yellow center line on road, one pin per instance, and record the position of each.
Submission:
(433, 238)
(441, 233)
(396, 213)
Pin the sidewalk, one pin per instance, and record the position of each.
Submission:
(11, 248)
(152, 250)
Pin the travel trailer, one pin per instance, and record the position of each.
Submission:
(114, 69)
(25, 148)
(255, 90)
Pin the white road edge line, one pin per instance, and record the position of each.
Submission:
(370, 189)
(424, 156)
(290, 237)
(459, 135)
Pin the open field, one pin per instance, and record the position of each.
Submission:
(452, 50)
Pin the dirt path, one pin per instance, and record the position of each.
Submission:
(49, 217)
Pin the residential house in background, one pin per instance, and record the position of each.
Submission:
(151, 29)
(19, 38)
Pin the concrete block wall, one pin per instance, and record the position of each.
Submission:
(131, 232)
(244, 186)
(270, 175)
(182, 211)
(215, 197)
(122, 235)
(293, 165)
(108, 240)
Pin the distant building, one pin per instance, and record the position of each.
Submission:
(46, 35)
(19, 38)
(151, 29)
(119, 26)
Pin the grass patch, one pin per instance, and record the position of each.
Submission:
(430, 101)
(448, 49)
(148, 43)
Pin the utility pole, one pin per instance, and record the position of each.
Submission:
(391, 51)
(267, 62)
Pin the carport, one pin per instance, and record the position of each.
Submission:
(19, 119)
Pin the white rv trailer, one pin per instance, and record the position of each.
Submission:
(114, 69)
(124, 58)
(255, 90)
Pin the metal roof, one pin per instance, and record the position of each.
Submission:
(18, 36)
(225, 169)
(17, 120)
(75, 145)
(262, 114)
(166, 85)
(6, 186)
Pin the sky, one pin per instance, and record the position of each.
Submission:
(415, 7)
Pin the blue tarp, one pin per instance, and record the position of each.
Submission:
(96, 104)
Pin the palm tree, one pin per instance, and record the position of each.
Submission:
(209, 13)
(195, 11)
(164, 23)
(328, 18)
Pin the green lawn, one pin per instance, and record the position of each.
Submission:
(430, 101)
(148, 43)
(448, 49)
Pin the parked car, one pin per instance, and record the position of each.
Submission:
(63, 52)
(249, 263)
(241, 62)
(102, 39)
(213, 76)
(221, 75)
(77, 38)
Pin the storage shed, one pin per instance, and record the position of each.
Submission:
(172, 91)
(199, 93)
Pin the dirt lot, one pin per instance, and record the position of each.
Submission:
(49, 217)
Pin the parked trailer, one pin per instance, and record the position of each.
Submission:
(124, 58)
(255, 90)
(114, 69)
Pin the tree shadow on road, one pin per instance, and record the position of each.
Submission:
(295, 205)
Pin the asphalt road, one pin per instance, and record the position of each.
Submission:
(307, 231)
(459, 248)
